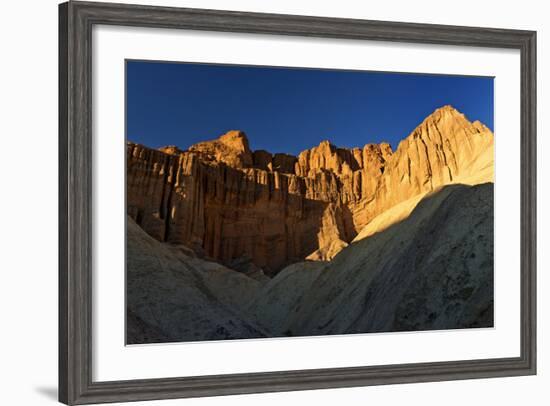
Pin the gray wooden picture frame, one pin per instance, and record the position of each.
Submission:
(76, 20)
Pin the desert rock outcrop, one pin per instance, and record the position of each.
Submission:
(227, 202)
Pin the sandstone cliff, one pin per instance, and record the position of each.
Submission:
(227, 202)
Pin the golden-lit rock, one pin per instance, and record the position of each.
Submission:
(231, 148)
(225, 201)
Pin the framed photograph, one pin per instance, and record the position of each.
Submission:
(257, 202)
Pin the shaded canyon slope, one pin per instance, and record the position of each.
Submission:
(261, 210)
(174, 296)
(433, 270)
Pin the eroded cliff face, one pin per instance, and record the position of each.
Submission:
(227, 202)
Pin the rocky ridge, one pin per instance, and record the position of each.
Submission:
(227, 202)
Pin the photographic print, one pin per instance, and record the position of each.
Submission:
(269, 202)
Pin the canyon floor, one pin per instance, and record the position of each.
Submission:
(228, 243)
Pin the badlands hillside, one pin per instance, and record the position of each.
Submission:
(225, 242)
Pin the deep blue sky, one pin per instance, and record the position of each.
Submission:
(289, 109)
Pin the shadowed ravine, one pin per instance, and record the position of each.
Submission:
(225, 243)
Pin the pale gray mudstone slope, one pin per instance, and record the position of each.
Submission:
(433, 270)
(172, 296)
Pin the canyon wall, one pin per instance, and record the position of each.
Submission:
(229, 203)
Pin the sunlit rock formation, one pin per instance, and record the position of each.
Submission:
(227, 202)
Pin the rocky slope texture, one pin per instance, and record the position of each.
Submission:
(432, 270)
(229, 203)
(174, 296)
